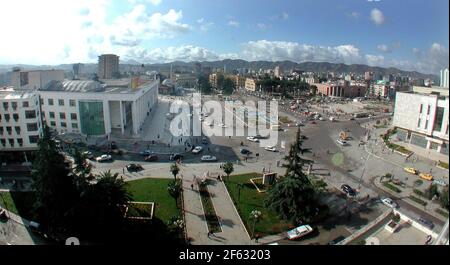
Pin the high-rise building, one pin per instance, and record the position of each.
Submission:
(108, 66)
(368, 76)
(78, 70)
(197, 68)
(444, 78)
(278, 72)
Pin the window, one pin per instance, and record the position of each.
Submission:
(25, 104)
(33, 139)
(53, 123)
(20, 141)
(75, 125)
(32, 127)
(421, 108)
(438, 119)
(63, 124)
(428, 110)
(51, 114)
(30, 114)
(1, 130)
(16, 117)
(3, 141)
(426, 124)
(17, 129)
(50, 101)
(418, 123)
(11, 142)
(9, 130)
(14, 105)
(73, 116)
(61, 102)
(7, 117)
(72, 102)
(62, 115)
(5, 105)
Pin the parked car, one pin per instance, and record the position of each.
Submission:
(222, 125)
(208, 158)
(271, 149)
(146, 153)
(411, 170)
(175, 156)
(245, 151)
(425, 222)
(342, 142)
(253, 139)
(204, 141)
(336, 240)
(299, 232)
(426, 176)
(151, 158)
(113, 145)
(389, 203)
(103, 158)
(197, 149)
(349, 190)
(88, 155)
(134, 168)
(440, 182)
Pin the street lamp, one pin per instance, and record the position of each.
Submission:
(255, 215)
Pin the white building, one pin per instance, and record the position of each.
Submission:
(98, 109)
(34, 79)
(278, 72)
(20, 122)
(422, 123)
(444, 78)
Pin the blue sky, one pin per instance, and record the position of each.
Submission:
(411, 35)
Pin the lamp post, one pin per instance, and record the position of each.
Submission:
(255, 215)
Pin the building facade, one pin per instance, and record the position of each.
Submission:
(422, 122)
(20, 120)
(250, 84)
(30, 80)
(444, 78)
(108, 66)
(330, 89)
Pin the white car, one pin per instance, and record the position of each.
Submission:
(440, 182)
(103, 158)
(389, 203)
(253, 139)
(271, 149)
(210, 123)
(197, 150)
(321, 119)
(342, 142)
(222, 125)
(298, 232)
(208, 158)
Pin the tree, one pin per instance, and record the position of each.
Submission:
(294, 197)
(54, 185)
(220, 80)
(228, 86)
(82, 169)
(174, 169)
(174, 188)
(313, 90)
(228, 168)
(204, 85)
(444, 198)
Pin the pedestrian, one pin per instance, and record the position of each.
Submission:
(192, 186)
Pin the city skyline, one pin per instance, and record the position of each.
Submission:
(156, 31)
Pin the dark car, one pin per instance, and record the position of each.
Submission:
(175, 157)
(204, 141)
(151, 158)
(245, 151)
(347, 189)
(134, 168)
(113, 145)
(146, 153)
(336, 240)
(425, 222)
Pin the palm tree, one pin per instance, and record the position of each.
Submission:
(174, 169)
(174, 188)
(228, 168)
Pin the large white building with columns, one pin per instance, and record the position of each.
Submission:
(103, 108)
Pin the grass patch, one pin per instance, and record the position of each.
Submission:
(155, 190)
(417, 200)
(20, 203)
(391, 187)
(418, 182)
(443, 164)
(210, 212)
(139, 210)
(419, 192)
(284, 119)
(251, 199)
(442, 212)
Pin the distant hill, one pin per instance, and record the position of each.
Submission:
(235, 64)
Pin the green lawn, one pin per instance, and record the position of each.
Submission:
(252, 200)
(20, 203)
(155, 190)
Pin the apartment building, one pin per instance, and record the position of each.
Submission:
(250, 84)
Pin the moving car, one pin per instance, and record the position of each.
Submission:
(271, 149)
(197, 150)
(175, 156)
(208, 158)
(253, 139)
(336, 240)
(113, 145)
(151, 158)
(411, 170)
(245, 151)
(204, 141)
(299, 232)
(222, 125)
(134, 168)
(342, 142)
(425, 222)
(146, 153)
(349, 190)
(103, 158)
(389, 203)
(426, 176)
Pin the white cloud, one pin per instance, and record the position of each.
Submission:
(375, 60)
(355, 14)
(284, 16)
(263, 26)
(233, 23)
(203, 25)
(377, 16)
(153, 2)
(384, 48)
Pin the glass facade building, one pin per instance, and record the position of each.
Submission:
(92, 117)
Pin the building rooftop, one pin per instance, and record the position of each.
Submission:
(10, 93)
(90, 86)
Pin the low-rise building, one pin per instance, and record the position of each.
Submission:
(250, 84)
(34, 79)
(330, 89)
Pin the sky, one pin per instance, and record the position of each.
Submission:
(406, 34)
